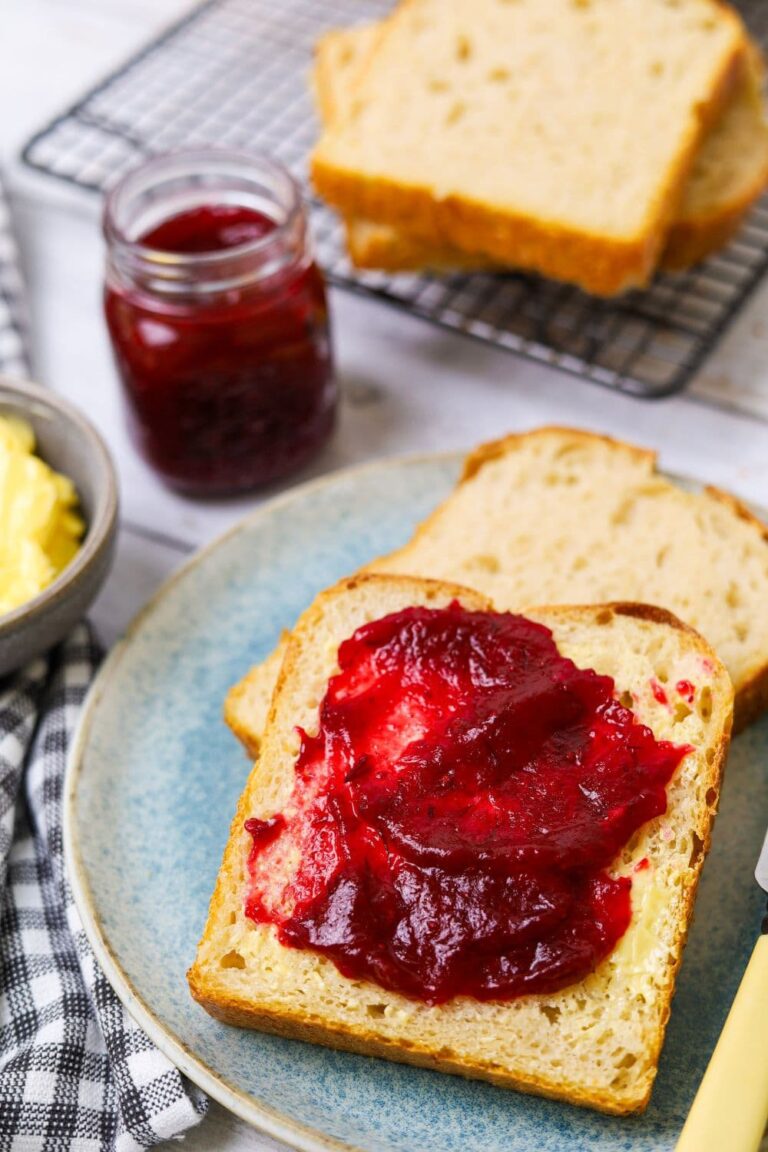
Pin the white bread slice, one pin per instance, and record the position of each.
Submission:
(591, 178)
(595, 1043)
(246, 707)
(563, 515)
(729, 173)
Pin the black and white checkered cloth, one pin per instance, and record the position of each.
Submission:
(76, 1073)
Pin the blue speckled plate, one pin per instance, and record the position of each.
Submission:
(152, 786)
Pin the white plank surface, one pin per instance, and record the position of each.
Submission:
(407, 387)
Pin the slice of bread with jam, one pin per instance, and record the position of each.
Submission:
(596, 1039)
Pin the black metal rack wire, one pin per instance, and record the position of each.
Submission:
(234, 73)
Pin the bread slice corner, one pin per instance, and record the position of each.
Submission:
(596, 1043)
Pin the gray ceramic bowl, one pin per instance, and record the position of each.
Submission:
(70, 444)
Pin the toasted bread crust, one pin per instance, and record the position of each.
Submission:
(602, 265)
(390, 249)
(239, 714)
(689, 242)
(650, 612)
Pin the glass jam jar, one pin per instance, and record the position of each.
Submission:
(218, 319)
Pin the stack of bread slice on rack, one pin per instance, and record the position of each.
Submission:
(566, 516)
(585, 140)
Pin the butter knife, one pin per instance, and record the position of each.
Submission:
(730, 1111)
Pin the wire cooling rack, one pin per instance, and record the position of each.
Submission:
(234, 73)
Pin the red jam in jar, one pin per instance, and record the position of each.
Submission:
(218, 319)
(456, 816)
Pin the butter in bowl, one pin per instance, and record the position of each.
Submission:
(40, 526)
(58, 519)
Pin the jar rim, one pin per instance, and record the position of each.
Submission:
(188, 162)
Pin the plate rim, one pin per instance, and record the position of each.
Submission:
(260, 1116)
(272, 1122)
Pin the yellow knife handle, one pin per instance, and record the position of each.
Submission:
(731, 1107)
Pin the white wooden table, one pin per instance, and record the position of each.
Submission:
(406, 386)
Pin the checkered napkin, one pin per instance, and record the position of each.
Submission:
(75, 1071)
(76, 1074)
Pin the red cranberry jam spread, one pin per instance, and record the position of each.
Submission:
(455, 816)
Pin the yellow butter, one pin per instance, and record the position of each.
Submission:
(40, 525)
(634, 952)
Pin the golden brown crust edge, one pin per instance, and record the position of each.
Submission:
(691, 241)
(254, 679)
(637, 610)
(395, 250)
(389, 249)
(604, 266)
(688, 243)
(232, 1010)
(600, 265)
(701, 849)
